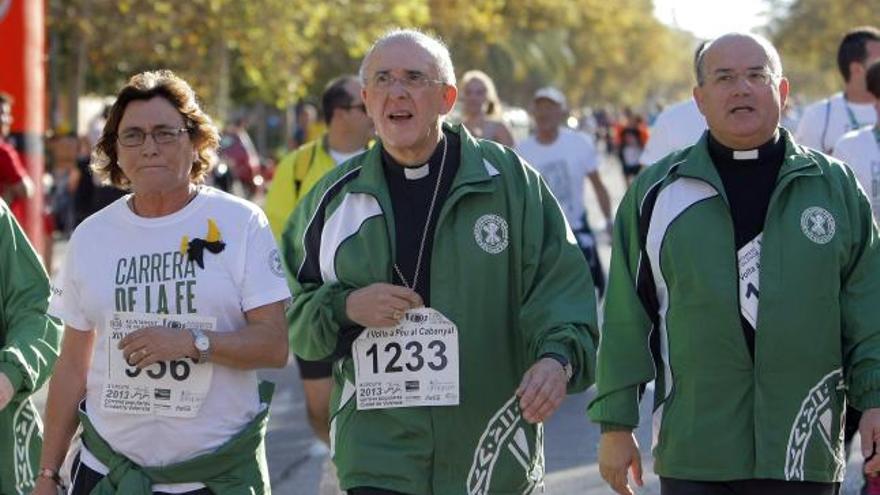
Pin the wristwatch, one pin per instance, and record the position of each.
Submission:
(50, 474)
(202, 343)
(566, 366)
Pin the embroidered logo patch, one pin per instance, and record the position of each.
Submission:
(817, 224)
(490, 232)
(275, 263)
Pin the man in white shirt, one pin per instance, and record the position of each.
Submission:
(564, 157)
(861, 149)
(825, 121)
(676, 127)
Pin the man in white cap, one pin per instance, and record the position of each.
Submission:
(564, 157)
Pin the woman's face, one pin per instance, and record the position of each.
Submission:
(164, 160)
(474, 97)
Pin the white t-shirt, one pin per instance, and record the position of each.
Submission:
(861, 151)
(813, 122)
(564, 164)
(339, 156)
(678, 126)
(118, 261)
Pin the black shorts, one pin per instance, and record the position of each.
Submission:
(313, 370)
(84, 479)
(672, 486)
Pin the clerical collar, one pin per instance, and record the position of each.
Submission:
(772, 150)
(414, 172)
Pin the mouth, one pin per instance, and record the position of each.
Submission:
(399, 116)
(741, 109)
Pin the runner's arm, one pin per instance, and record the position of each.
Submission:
(624, 357)
(317, 316)
(601, 196)
(29, 337)
(559, 301)
(860, 312)
(66, 389)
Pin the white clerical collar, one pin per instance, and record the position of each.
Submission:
(416, 173)
(745, 154)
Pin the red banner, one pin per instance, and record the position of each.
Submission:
(22, 38)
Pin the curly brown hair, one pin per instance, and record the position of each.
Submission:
(145, 86)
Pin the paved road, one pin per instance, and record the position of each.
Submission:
(295, 457)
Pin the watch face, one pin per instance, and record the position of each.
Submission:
(202, 343)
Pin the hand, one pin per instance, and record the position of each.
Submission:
(150, 345)
(618, 450)
(6, 391)
(380, 304)
(869, 429)
(45, 486)
(542, 390)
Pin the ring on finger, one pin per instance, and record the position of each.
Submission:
(396, 314)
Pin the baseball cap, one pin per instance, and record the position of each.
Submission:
(551, 94)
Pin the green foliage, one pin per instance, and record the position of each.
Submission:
(276, 51)
(807, 34)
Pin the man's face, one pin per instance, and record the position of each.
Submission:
(740, 98)
(859, 69)
(356, 119)
(548, 115)
(5, 119)
(405, 99)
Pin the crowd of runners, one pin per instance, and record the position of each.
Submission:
(438, 282)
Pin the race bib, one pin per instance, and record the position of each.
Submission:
(749, 257)
(169, 388)
(412, 364)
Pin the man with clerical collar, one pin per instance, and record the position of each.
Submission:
(439, 275)
(749, 396)
(825, 121)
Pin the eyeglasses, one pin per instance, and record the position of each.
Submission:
(413, 79)
(360, 106)
(161, 135)
(755, 78)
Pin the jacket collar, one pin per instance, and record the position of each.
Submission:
(472, 169)
(697, 163)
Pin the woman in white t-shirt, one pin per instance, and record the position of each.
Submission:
(172, 298)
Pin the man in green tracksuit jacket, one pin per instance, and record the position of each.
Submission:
(432, 216)
(745, 278)
(29, 341)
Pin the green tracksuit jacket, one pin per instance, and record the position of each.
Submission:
(29, 341)
(524, 293)
(673, 309)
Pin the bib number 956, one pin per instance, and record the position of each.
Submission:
(412, 352)
(176, 369)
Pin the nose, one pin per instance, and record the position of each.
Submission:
(150, 145)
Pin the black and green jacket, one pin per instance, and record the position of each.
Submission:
(524, 293)
(673, 313)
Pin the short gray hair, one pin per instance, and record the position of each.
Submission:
(433, 45)
(773, 59)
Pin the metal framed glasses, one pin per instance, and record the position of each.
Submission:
(161, 135)
(412, 79)
(755, 78)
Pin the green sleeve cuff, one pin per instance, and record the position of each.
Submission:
(555, 348)
(606, 427)
(870, 400)
(337, 303)
(13, 374)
